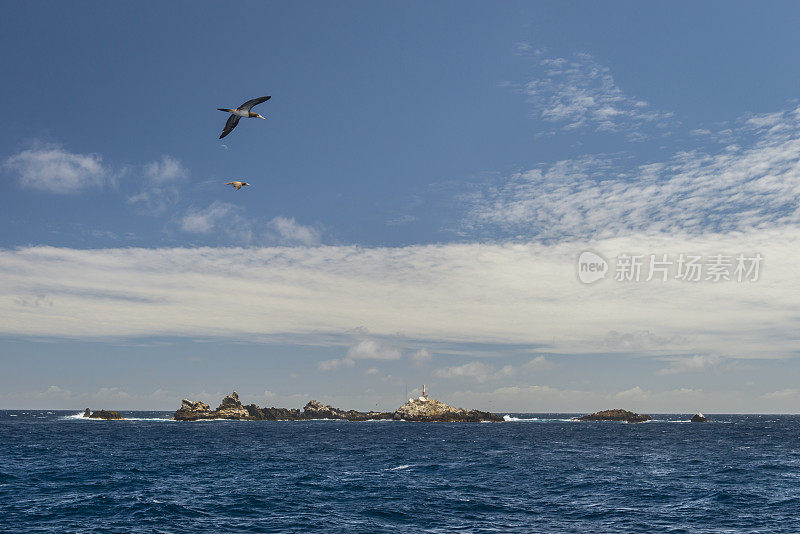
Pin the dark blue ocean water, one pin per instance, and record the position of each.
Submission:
(62, 474)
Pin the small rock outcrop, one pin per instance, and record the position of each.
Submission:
(615, 415)
(432, 410)
(109, 415)
(699, 418)
(193, 410)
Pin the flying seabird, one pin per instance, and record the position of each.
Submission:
(241, 111)
(237, 185)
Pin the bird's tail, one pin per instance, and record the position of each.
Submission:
(225, 110)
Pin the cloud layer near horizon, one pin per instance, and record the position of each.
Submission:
(490, 293)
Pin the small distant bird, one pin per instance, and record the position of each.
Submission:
(237, 185)
(241, 111)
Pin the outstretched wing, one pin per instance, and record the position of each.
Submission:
(233, 120)
(256, 101)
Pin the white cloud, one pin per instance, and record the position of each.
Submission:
(478, 371)
(202, 221)
(578, 92)
(230, 221)
(543, 398)
(390, 379)
(370, 349)
(420, 357)
(537, 364)
(635, 393)
(782, 394)
(642, 340)
(401, 220)
(696, 363)
(739, 188)
(111, 394)
(507, 371)
(55, 392)
(287, 231)
(488, 293)
(161, 187)
(335, 363)
(372, 371)
(51, 168)
(167, 170)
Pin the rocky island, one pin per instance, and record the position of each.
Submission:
(420, 409)
(699, 418)
(424, 409)
(108, 415)
(615, 415)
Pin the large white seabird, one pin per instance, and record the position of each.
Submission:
(242, 111)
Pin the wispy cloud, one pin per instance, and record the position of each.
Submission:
(420, 357)
(370, 349)
(204, 220)
(367, 349)
(543, 398)
(51, 168)
(488, 293)
(578, 92)
(537, 364)
(478, 371)
(642, 340)
(335, 363)
(161, 187)
(755, 184)
(635, 393)
(696, 363)
(232, 222)
(782, 394)
(287, 231)
(481, 371)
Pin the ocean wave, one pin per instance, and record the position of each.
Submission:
(79, 417)
(512, 419)
(399, 467)
(669, 421)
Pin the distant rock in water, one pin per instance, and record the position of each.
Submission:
(109, 415)
(413, 410)
(699, 418)
(615, 415)
(423, 409)
(317, 410)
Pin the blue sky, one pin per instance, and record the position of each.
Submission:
(424, 181)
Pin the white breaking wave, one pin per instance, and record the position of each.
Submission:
(79, 417)
(398, 468)
(510, 418)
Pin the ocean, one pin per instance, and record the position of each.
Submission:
(533, 473)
